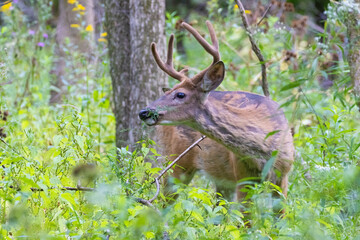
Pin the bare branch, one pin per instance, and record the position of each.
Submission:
(79, 188)
(6, 83)
(179, 157)
(2, 3)
(157, 179)
(146, 203)
(157, 190)
(264, 15)
(255, 48)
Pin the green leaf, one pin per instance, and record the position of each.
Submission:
(52, 153)
(43, 187)
(80, 140)
(313, 68)
(29, 182)
(149, 235)
(271, 133)
(197, 216)
(57, 139)
(96, 95)
(68, 198)
(268, 165)
(324, 223)
(291, 85)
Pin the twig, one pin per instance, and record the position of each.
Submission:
(6, 83)
(316, 115)
(79, 188)
(255, 48)
(13, 149)
(264, 15)
(86, 189)
(146, 203)
(2, 3)
(157, 179)
(157, 190)
(179, 157)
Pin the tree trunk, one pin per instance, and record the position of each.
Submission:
(70, 15)
(136, 79)
(353, 33)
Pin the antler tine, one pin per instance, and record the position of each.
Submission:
(212, 49)
(168, 66)
(213, 36)
(185, 70)
(169, 61)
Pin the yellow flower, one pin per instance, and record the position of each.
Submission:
(71, 1)
(6, 7)
(74, 25)
(81, 7)
(89, 28)
(104, 34)
(246, 11)
(102, 40)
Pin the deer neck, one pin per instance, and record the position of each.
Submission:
(239, 129)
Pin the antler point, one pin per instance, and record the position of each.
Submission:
(184, 25)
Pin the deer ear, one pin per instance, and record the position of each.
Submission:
(213, 77)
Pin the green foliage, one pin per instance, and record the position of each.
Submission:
(44, 144)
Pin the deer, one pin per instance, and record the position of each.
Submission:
(244, 130)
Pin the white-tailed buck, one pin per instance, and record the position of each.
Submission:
(244, 129)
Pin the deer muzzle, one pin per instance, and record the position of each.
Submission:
(149, 116)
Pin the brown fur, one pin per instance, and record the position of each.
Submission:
(213, 158)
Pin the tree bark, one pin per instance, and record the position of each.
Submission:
(353, 33)
(136, 79)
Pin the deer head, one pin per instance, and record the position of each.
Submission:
(179, 104)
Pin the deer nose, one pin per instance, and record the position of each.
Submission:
(144, 114)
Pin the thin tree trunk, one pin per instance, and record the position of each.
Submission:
(131, 26)
(65, 29)
(353, 33)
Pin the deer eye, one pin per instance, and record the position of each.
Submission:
(180, 95)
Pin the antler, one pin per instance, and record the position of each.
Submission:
(168, 66)
(212, 49)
